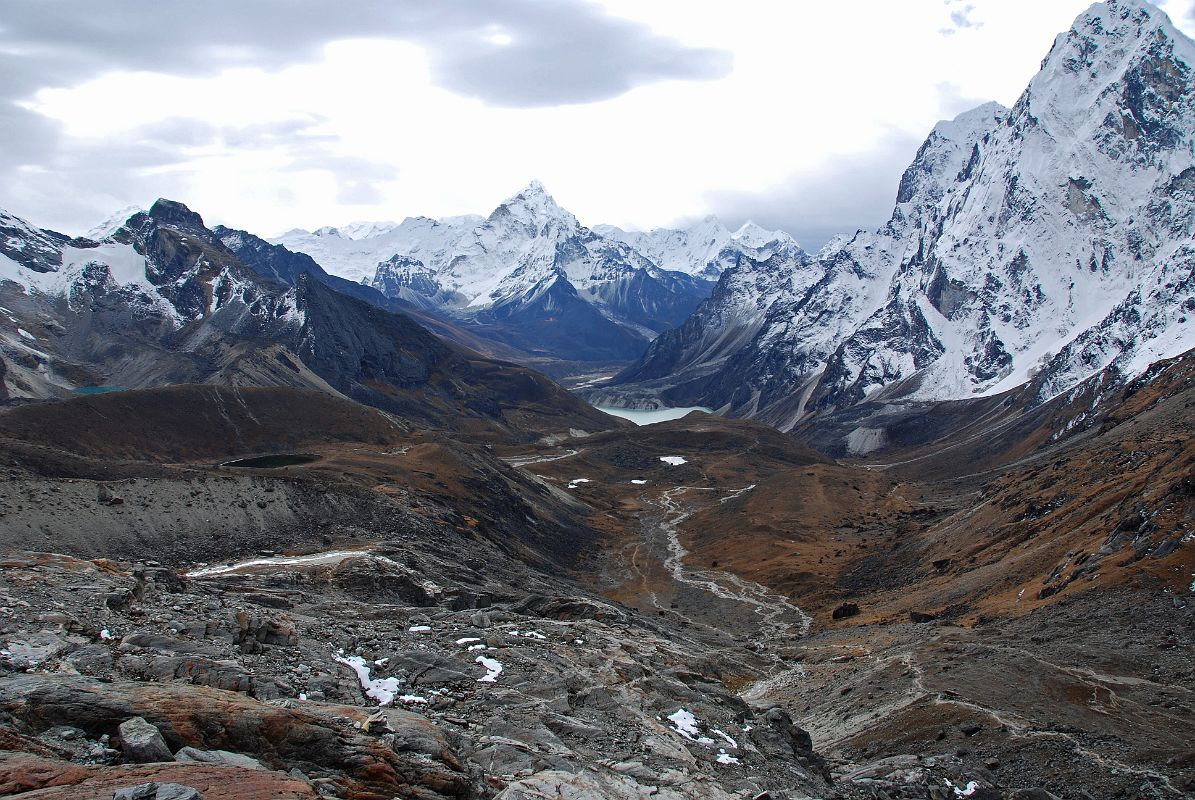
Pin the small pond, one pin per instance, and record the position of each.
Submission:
(272, 461)
(99, 389)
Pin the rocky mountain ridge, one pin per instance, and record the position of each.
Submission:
(1052, 239)
(163, 300)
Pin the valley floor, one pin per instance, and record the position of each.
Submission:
(702, 608)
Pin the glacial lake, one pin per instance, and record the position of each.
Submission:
(98, 389)
(641, 416)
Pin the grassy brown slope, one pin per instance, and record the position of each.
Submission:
(1017, 527)
(197, 423)
(131, 474)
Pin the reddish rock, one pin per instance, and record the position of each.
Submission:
(23, 775)
(315, 738)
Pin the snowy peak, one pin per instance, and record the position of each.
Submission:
(1043, 243)
(533, 210)
(950, 154)
(24, 246)
(366, 230)
(1122, 68)
(757, 238)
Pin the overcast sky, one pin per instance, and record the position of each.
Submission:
(299, 113)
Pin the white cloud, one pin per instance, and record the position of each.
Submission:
(822, 107)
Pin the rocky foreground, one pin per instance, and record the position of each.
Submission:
(705, 608)
(348, 677)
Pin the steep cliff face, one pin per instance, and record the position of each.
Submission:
(1052, 239)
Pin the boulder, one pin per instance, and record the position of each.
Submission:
(845, 610)
(157, 791)
(425, 668)
(192, 755)
(142, 743)
(382, 581)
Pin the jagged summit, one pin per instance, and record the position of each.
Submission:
(756, 236)
(706, 247)
(532, 206)
(177, 215)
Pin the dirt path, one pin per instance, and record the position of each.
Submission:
(526, 461)
(780, 621)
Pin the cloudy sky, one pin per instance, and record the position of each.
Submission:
(299, 113)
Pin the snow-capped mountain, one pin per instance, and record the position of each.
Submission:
(531, 275)
(140, 306)
(354, 251)
(706, 248)
(1047, 241)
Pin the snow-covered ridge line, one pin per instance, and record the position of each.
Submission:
(474, 262)
(1045, 242)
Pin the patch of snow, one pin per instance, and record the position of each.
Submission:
(383, 690)
(675, 461)
(726, 758)
(971, 788)
(529, 634)
(419, 629)
(686, 725)
(125, 264)
(26, 334)
(729, 740)
(332, 557)
(412, 700)
(468, 640)
(575, 482)
(493, 669)
(638, 482)
(473, 647)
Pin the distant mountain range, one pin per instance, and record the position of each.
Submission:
(531, 277)
(1044, 242)
(1041, 243)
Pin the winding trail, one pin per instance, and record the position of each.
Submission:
(780, 620)
(526, 461)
